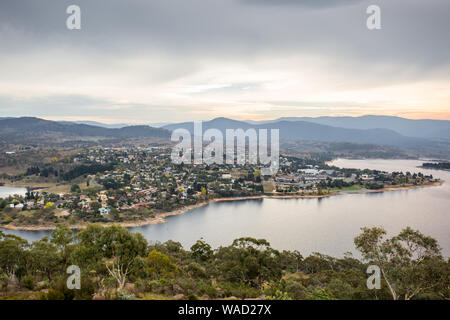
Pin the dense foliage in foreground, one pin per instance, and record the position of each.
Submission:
(118, 264)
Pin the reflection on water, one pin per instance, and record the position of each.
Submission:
(326, 225)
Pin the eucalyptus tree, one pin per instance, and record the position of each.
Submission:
(45, 259)
(113, 249)
(410, 262)
(13, 255)
(248, 260)
(63, 238)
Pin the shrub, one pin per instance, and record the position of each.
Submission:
(122, 295)
(28, 282)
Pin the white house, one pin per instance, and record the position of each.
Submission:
(104, 211)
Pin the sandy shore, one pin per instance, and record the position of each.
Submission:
(160, 217)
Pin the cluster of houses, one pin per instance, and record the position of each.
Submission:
(147, 178)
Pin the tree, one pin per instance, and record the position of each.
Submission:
(44, 258)
(86, 253)
(291, 260)
(410, 262)
(75, 188)
(95, 206)
(251, 261)
(159, 265)
(114, 247)
(122, 247)
(319, 191)
(201, 251)
(4, 280)
(62, 237)
(13, 255)
(320, 294)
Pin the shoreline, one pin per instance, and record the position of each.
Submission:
(160, 217)
(431, 168)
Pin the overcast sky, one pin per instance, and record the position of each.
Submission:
(177, 60)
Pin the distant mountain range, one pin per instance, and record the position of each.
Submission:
(97, 124)
(303, 130)
(379, 130)
(113, 125)
(407, 127)
(423, 128)
(34, 129)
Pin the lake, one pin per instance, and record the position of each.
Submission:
(5, 192)
(326, 225)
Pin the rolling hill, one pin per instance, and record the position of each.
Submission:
(303, 130)
(34, 129)
(438, 129)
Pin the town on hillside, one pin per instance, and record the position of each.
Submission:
(132, 183)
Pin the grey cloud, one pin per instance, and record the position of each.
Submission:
(53, 105)
(84, 107)
(412, 44)
(413, 32)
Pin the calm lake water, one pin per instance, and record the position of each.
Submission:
(326, 225)
(10, 191)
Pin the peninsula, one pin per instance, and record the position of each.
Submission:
(139, 186)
